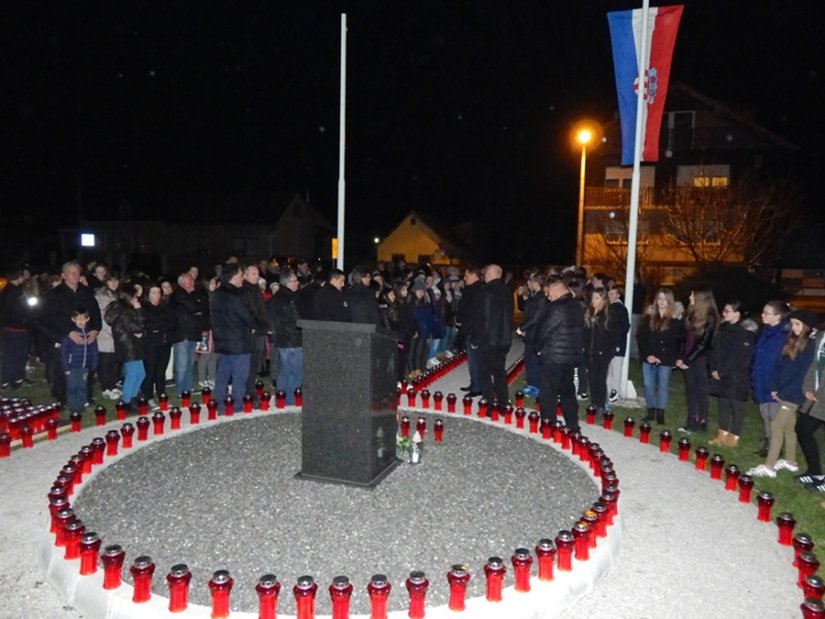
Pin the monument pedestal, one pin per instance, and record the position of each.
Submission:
(349, 410)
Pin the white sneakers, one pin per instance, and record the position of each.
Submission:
(784, 464)
(761, 471)
(112, 394)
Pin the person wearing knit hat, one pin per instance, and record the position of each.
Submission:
(786, 390)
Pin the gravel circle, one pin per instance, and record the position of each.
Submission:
(225, 497)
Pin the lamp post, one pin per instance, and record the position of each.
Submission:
(583, 137)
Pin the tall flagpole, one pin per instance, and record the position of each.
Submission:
(342, 139)
(635, 182)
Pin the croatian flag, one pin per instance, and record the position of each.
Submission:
(625, 34)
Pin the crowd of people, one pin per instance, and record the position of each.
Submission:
(139, 337)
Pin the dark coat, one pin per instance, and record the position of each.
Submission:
(14, 313)
(766, 353)
(192, 312)
(731, 358)
(282, 310)
(160, 324)
(815, 381)
(619, 325)
(698, 344)
(664, 344)
(466, 317)
(363, 306)
(424, 317)
(560, 336)
(255, 300)
(599, 338)
(127, 330)
(329, 304)
(534, 308)
(60, 302)
(495, 315)
(232, 321)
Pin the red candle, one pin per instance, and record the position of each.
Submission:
(120, 410)
(178, 581)
(263, 405)
(56, 504)
(802, 542)
(731, 477)
(127, 430)
(564, 550)
(63, 517)
(556, 427)
(304, 592)
(520, 414)
(545, 553)
(410, 397)
(665, 437)
(158, 419)
(340, 592)
(143, 429)
(378, 590)
(405, 426)
(519, 398)
(299, 397)
(494, 571)
(785, 523)
(98, 450)
(112, 560)
(174, 418)
(522, 561)
(600, 510)
(451, 399)
(607, 420)
(745, 487)
(220, 586)
(100, 416)
(592, 520)
(533, 422)
(701, 458)
(438, 430)
(508, 415)
(467, 401)
(545, 429)
(807, 564)
(421, 427)
(51, 428)
(457, 577)
(590, 415)
(494, 412)
(425, 398)
(581, 534)
(267, 589)
(212, 410)
(112, 440)
(565, 438)
(812, 609)
(764, 503)
(417, 585)
(75, 420)
(195, 414)
(482, 407)
(163, 402)
(247, 403)
(142, 570)
(259, 388)
(644, 432)
(88, 549)
(185, 399)
(717, 463)
(684, 449)
(206, 396)
(26, 433)
(143, 406)
(813, 587)
(629, 424)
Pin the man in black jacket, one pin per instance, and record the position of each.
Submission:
(56, 321)
(559, 344)
(363, 306)
(191, 305)
(255, 299)
(495, 321)
(282, 309)
(232, 328)
(14, 319)
(329, 302)
(467, 324)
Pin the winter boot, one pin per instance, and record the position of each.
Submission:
(721, 438)
(651, 415)
(660, 416)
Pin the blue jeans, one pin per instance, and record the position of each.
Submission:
(656, 379)
(76, 388)
(290, 371)
(184, 360)
(234, 370)
(133, 375)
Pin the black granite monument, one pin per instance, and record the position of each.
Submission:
(349, 410)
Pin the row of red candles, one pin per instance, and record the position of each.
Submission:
(70, 533)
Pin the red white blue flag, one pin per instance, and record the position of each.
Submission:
(625, 34)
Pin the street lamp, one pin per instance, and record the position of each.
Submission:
(583, 136)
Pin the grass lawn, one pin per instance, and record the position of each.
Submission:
(789, 496)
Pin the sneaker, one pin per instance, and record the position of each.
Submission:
(613, 396)
(686, 430)
(153, 404)
(5, 385)
(761, 471)
(581, 396)
(106, 394)
(807, 478)
(784, 464)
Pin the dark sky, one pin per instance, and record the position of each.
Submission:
(455, 108)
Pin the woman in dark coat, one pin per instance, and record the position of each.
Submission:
(730, 361)
(160, 324)
(701, 323)
(123, 315)
(599, 345)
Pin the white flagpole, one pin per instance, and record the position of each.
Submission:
(635, 182)
(342, 143)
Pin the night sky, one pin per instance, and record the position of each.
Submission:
(463, 109)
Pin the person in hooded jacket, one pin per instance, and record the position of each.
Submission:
(730, 360)
(160, 326)
(495, 316)
(124, 316)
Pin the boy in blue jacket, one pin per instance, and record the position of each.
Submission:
(79, 356)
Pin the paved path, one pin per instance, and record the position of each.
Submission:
(690, 549)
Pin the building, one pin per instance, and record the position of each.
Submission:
(247, 225)
(422, 239)
(704, 147)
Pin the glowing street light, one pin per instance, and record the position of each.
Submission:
(584, 134)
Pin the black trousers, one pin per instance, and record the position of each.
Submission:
(55, 374)
(697, 385)
(15, 355)
(597, 377)
(806, 425)
(731, 415)
(492, 374)
(557, 386)
(108, 372)
(155, 360)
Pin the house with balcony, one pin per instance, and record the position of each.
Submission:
(688, 201)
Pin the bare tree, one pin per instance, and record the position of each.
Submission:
(744, 223)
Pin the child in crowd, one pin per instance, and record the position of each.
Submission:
(79, 356)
